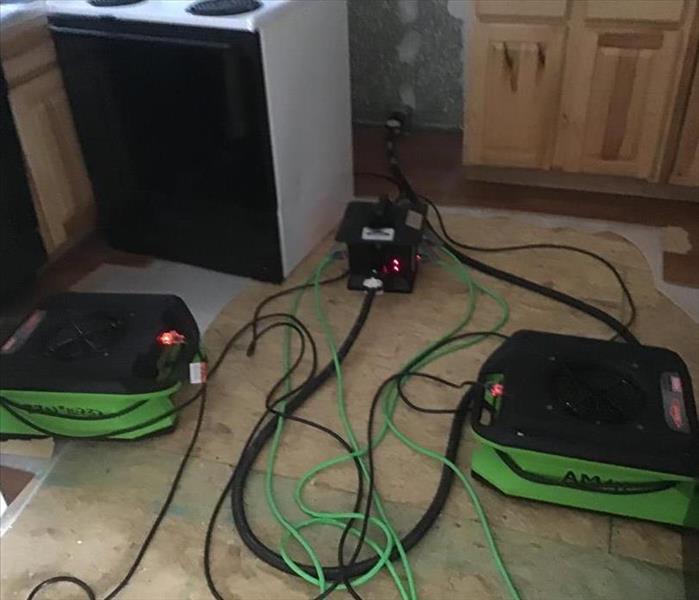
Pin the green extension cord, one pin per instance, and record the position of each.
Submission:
(389, 402)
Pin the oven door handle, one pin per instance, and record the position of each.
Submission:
(137, 37)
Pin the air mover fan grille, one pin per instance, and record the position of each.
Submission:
(597, 395)
(81, 336)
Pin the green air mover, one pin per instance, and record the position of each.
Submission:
(103, 365)
(604, 426)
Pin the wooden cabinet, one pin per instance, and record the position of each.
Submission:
(686, 166)
(52, 152)
(651, 11)
(61, 189)
(516, 71)
(616, 96)
(580, 86)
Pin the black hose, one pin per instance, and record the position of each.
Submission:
(250, 454)
(256, 445)
(543, 290)
(405, 187)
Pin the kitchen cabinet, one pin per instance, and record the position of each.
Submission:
(517, 75)
(615, 100)
(686, 165)
(651, 11)
(579, 86)
(61, 189)
(53, 155)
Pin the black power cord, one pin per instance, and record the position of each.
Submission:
(258, 440)
(151, 533)
(494, 249)
(460, 412)
(270, 409)
(614, 271)
(393, 132)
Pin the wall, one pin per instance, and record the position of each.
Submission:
(407, 52)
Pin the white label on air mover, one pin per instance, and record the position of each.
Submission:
(197, 372)
(383, 234)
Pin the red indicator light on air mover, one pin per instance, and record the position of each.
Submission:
(676, 414)
(170, 338)
(497, 389)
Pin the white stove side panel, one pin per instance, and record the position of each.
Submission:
(306, 65)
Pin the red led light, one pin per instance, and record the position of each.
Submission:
(170, 338)
(392, 266)
(676, 414)
(497, 389)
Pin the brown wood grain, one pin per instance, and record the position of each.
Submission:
(682, 269)
(619, 104)
(632, 41)
(686, 168)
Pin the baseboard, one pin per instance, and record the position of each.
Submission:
(626, 186)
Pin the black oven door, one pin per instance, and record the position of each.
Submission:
(173, 125)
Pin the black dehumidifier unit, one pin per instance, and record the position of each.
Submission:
(103, 365)
(593, 424)
(382, 240)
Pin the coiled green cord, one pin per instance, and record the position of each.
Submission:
(324, 518)
(389, 402)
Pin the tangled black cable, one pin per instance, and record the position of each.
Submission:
(446, 237)
(451, 452)
(256, 442)
(270, 405)
(393, 132)
(263, 432)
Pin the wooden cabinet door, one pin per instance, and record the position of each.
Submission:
(653, 11)
(62, 190)
(616, 94)
(513, 93)
(685, 171)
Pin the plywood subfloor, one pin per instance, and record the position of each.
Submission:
(90, 514)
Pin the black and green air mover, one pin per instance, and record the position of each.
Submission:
(102, 365)
(599, 425)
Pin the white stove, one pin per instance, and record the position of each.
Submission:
(221, 141)
(174, 12)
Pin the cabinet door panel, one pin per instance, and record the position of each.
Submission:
(686, 168)
(615, 96)
(666, 11)
(513, 94)
(555, 9)
(63, 194)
